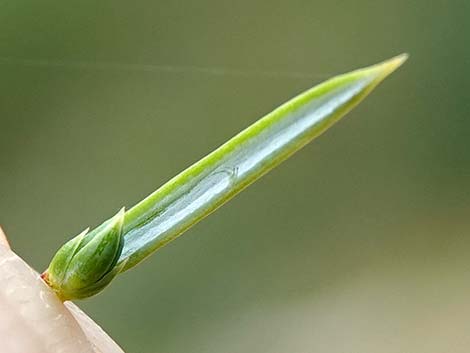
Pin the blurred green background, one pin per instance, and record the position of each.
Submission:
(359, 243)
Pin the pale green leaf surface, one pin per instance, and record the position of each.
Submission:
(215, 179)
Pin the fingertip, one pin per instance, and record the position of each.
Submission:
(32, 318)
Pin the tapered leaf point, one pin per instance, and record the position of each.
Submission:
(381, 70)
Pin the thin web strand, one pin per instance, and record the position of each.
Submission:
(175, 69)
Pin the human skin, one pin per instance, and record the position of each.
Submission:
(34, 320)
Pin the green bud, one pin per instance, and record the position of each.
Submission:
(86, 264)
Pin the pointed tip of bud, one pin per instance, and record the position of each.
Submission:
(118, 219)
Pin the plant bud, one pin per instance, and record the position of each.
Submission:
(86, 264)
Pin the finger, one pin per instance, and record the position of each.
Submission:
(33, 319)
